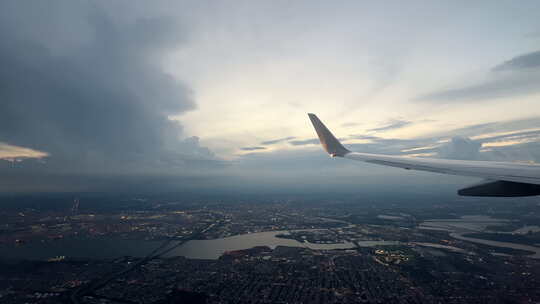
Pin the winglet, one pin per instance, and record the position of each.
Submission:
(328, 140)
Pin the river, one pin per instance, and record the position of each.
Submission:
(477, 223)
(100, 248)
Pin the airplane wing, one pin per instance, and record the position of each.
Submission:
(504, 178)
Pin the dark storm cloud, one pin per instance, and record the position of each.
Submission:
(90, 92)
(396, 124)
(275, 141)
(252, 148)
(517, 76)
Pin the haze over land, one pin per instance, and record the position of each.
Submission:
(175, 95)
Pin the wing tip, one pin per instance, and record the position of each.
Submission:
(327, 139)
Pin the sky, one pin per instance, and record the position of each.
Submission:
(175, 95)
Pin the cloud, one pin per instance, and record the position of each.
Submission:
(275, 141)
(316, 170)
(252, 148)
(366, 137)
(311, 141)
(516, 125)
(395, 124)
(515, 140)
(517, 76)
(498, 141)
(92, 92)
(526, 152)
(350, 124)
(514, 84)
(460, 148)
(521, 135)
(525, 61)
(84, 82)
(14, 153)
(393, 146)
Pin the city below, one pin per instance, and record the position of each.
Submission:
(268, 250)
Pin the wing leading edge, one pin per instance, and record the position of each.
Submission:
(505, 179)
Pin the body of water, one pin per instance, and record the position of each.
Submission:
(477, 223)
(96, 248)
(465, 224)
(100, 248)
(213, 249)
(535, 250)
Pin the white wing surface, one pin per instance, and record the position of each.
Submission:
(505, 178)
